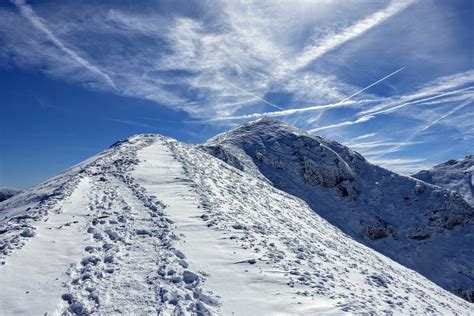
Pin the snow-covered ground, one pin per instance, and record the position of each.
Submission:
(457, 175)
(241, 287)
(155, 226)
(422, 226)
(32, 281)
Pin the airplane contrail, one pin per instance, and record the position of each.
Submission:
(310, 108)
(28, 13)
(373, 84)
(256, 96)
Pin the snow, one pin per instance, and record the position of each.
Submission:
(6, 193)
(153, 226)
(242, 287)
(457, 175)
(410, 221)
(32, 280)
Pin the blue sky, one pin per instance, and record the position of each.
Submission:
(76, 76)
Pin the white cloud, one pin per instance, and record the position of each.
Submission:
(402, 165)
(227, 64)
(28, 13)
(341, 124)
(334, 40)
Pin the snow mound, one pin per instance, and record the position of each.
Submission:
(457, 175)
(410, 221)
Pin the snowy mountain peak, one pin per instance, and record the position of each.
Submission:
(394, 214)
(154, 226)
(457, 175)
(278, 145)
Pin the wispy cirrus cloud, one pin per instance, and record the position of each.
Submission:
(230, 61)
(227, 64)
(334, 40)
(28, 13)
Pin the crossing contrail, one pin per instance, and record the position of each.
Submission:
(373, 84)
(344, 102)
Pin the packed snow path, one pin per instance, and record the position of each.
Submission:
(31, 282)
(152, 226)
(244, 288)
(108, 249)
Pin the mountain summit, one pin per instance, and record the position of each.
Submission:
(408, 220)
(263, 219)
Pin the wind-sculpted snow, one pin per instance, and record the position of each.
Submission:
(417, 224)
(457, 175)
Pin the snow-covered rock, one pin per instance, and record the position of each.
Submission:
(6, 193)
(421, 226)
(154, 226)
(457, 175)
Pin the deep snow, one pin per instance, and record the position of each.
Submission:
(155, 226)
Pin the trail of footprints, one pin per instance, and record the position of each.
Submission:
(15, 231)
(131, 258)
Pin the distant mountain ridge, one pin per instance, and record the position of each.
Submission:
(412, 222)
(457, 175)
(6, 193)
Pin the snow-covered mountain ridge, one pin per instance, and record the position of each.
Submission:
(457, 175)
(6, 193)
(154, 226)
(410, 221)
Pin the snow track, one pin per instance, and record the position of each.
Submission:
(114, 252)
(242, 286)
(31, 282)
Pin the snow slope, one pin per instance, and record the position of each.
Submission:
(417, 224)
(457, 175)
(6, 193)
(153, 226)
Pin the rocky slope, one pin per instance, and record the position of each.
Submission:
(419, 225)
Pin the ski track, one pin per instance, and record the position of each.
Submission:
(148, 227)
